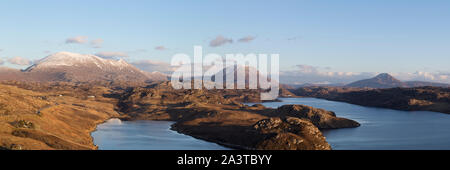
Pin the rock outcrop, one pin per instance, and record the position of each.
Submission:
(290, 133)
(321, 118)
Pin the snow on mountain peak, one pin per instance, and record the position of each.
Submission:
(74, 59)
(67, 66)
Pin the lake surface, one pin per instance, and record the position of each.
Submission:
(380, 128)
(146, 135)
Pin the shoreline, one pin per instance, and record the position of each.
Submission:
(95, 129)
(375, 107)
(99, 123)
(171, 128)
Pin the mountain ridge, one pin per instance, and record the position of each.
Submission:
(73, 67)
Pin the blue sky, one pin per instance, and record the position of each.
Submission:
(339, 36)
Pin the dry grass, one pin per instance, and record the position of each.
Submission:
(59, 122)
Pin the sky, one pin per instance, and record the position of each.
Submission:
(336, 41)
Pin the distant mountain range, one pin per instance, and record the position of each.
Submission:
(385, 80)
(72, 67)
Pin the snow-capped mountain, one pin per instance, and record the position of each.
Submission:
(66, 66)
(67, 59)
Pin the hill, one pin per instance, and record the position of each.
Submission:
(73, 67)
(385, 80)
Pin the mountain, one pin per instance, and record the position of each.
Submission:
(232, 72)
(73, 67)
(156, 76)
(7, 73)
(385, 80)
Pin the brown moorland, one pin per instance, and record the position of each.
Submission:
(48, 120)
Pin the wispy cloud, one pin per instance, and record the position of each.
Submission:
(77, 40)
(112, 55)
(219, 41)
(19, 61)
(152, 66)
(424, 76)
(307, 69)
(161, 48)
(247, 39)
(97, 43)
(302, 74)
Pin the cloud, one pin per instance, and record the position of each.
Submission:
(302, 74)
(161, 48)
(441, 77)
(97, 43)
(77, 40)
(219, 40)
(307, 69)
(247, 39)
(19, 61)
(151, 66)
(112, 55)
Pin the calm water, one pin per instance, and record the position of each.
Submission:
(382, 128)
(146, 135)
